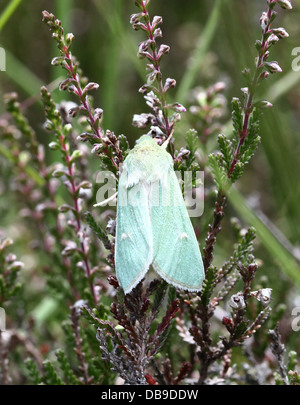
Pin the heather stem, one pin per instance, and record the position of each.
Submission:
(156, 62)
(249, 105)
(77, 215)
(98, 131)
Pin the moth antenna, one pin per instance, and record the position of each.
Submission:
(166, 142)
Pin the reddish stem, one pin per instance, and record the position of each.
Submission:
(98, 132)
(248, 109)
(155, 58)
(77, 215)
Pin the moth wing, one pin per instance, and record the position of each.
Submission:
(177, 257)
(134, 248)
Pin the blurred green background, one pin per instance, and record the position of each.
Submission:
(210, 41)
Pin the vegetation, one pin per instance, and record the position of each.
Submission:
(231, 111)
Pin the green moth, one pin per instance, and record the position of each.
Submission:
(153, 227)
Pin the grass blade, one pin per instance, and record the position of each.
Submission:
(289, 265)
(21, 75)
(201, 49)
(8, 12)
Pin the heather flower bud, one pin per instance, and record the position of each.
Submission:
(264, 20)
(59, 173)
(195, 110)
(47, 15)
(266, 55)
(69, 38)
(145, 89)
(169, 83)
(53, 145)
(272, 39)
(143, 54)
(17, 265)
(280, 32)
(72, 89)
(176, 107)
(156, 21)
(264, 75)
(143, 46)
(59, 60)
(152, 100)
(91, 86)
(141, 120)
(63, 85)
(286, 4)
(10, 257)
(150, 380)
(67, 129)
(98, 113)
(237, 301)
(155, 131)
(24, 157)
(139, 26)
(97, 148)
(111, 227)
(245, 90)
(82, 137)
(226, 321)
(273, 67)
(265, 104)
(78, 306)
(163, 49)
(150, 67)
(176, 117)
(157, 33)
(152, 77)
(48, 126)
(219, 86)
(263, 296)
(135, 18)
(41, 153)
(70, 248)
(183, 153)
(74, 110)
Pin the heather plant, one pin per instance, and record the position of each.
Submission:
(156, 334)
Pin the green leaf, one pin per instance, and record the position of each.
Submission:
(237, 116)
(50, 375)
(240, 329)
(237, 171)
(218, 171)
(102, 235)
(69, 375)
(33, 372)
(225, 146)
(208, 284)
(76, 155)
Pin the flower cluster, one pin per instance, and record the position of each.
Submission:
(155, 90)
(109, 147)
(228, 166)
